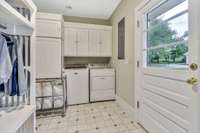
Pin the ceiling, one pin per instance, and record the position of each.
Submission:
(99, 9)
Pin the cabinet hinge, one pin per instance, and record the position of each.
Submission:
(138, 23)
(138, 104)
(138, 64)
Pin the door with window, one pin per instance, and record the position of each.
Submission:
(169, 57)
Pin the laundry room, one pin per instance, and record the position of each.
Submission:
(99, 66)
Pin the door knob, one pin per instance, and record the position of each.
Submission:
(192, 81)
(193, 66)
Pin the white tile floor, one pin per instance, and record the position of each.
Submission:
(104, 117)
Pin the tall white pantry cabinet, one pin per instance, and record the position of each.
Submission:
(87, 40)
(49, 45)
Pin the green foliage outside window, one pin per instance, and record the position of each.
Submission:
(162, 34)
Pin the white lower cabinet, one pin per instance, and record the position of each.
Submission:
(102, 84)
(77, 86)
(48, 58)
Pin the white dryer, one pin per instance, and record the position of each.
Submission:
(102, 84)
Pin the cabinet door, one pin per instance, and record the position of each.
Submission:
(48, 28)
(48, 58)
(70, 42)
(106, 43)
(82, 42)
(94, 43)
(77, 86)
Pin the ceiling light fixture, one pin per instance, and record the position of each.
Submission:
(68, 7)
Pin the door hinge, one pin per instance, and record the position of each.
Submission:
(138, 23)
(138, 104)
(138, 64)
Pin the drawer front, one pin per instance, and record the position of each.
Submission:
(48, 28)
(102, 95)
(102, 83)
(102, 72)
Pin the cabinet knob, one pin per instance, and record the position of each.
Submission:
(75, 73)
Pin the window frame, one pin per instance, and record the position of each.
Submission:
(146, 29)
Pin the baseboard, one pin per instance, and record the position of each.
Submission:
(126, 107)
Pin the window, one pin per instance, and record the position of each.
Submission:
(121, 39)
(166, 35)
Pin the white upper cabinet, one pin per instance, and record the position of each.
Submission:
(48, 25)
(48, 28)
(84, 40)
(100, 43)
(48, 58)
(94, 43)
(106, 43)
(76, 42)
(70, 42)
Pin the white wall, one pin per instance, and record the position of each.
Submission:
(125, 69)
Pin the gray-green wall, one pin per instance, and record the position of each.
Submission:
(125, 69)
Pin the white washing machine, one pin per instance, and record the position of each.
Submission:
(102, 84)
(77, 85)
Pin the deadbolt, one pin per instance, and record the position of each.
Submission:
(192, 81)
(193, 66)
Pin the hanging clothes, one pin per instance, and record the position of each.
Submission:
(2, 89)
(12, 74)
(5, 62)
(13, 82)
(22, 86)
(17, 82)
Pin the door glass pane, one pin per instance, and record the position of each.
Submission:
(167, 35)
